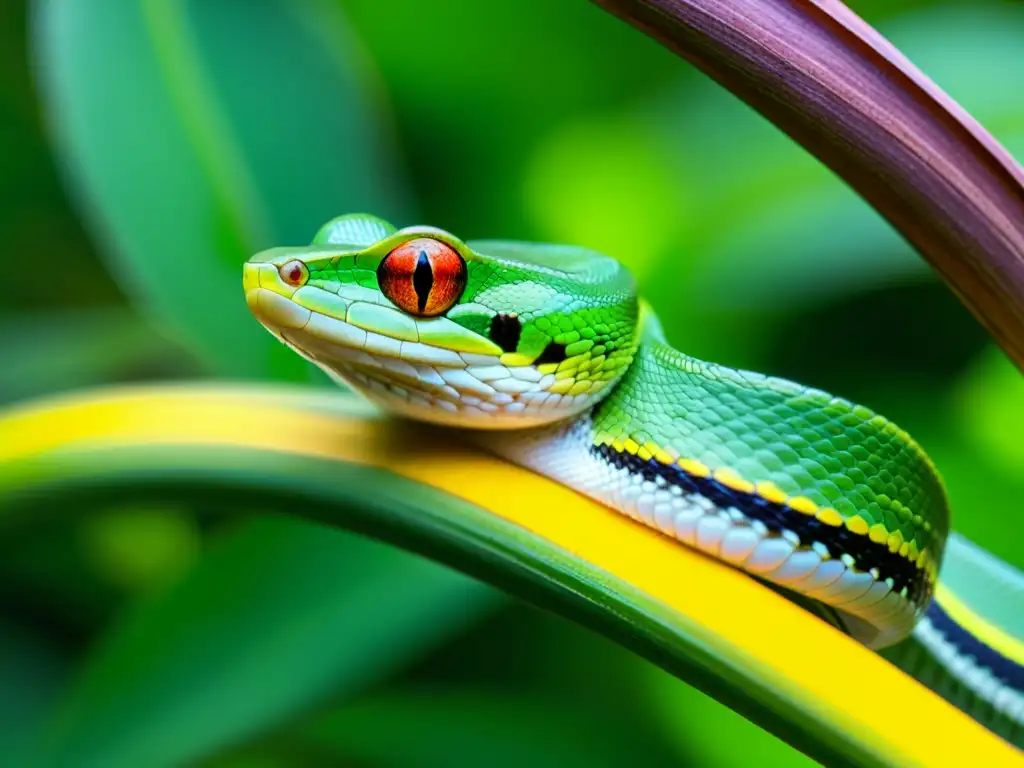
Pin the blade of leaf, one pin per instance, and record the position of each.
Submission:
(218, 144)
(712, 730)
(32, 674)
(276, 617)
(465, 727)
(322, 458)
(55, 351)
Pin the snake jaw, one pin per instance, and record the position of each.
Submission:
(429, 369)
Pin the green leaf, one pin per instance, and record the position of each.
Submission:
(330, 459)
(195, 134)
(990, 406)
(473, 106)
(717, 734)
(468, 727)
(277, 617)
(139, 547)
(57, 351)
(32, 673)
(978, 450)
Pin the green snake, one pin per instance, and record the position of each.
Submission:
(546, 356)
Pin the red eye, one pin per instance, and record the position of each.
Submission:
(423, 277)
(294, 273)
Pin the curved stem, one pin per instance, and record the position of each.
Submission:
(837, 87)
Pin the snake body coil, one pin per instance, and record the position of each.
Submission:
(545, 355)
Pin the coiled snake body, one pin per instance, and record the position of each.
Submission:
(545, 355)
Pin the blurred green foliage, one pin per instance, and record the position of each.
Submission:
(151, 147)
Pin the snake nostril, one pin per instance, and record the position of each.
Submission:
(505, 331)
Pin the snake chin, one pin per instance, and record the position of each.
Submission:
(417, 380)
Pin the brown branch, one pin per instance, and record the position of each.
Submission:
(836, 86)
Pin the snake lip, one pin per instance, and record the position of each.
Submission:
(378, 351)
(331, 336)
(341, 339)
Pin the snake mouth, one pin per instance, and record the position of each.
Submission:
(431, 369)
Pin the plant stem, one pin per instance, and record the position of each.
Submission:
(848, 96)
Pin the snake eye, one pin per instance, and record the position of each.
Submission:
(294, 273)
(423, 277)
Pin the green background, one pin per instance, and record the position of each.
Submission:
(150, 147)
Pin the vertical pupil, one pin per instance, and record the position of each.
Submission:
(295, 274)
(423, 279)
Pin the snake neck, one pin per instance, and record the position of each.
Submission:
(806, 491)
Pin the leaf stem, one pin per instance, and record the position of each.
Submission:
(836, 86)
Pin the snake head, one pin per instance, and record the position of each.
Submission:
(488, 334)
